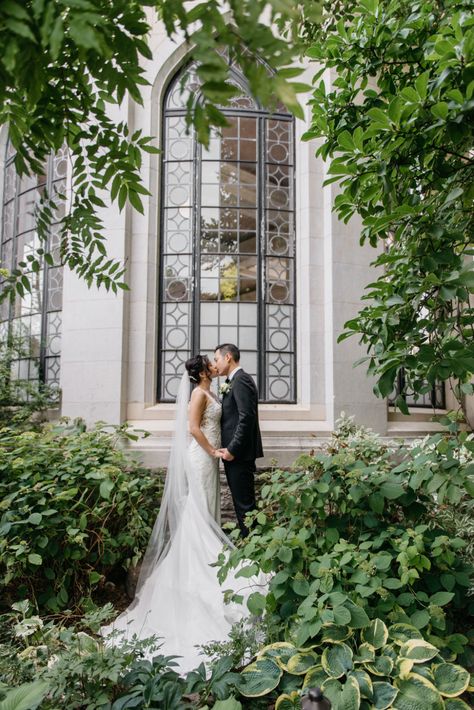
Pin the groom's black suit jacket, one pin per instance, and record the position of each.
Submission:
(240, 430)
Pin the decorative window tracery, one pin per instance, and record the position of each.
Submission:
(228, 241)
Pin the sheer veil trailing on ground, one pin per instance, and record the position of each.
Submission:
(179, 598)
(179, 484)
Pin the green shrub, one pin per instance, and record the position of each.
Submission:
(355, 536)
(73, 506)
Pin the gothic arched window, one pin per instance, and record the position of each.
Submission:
(31, 325)
(227, 241)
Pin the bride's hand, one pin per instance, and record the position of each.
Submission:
(217, 453)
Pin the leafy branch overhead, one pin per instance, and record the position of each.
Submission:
(66, 63)
(398, 123)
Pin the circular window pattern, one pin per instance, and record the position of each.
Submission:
(177, 338)
(279, 292)
(279, 340)
(177, 242)
(54, 345)
(278, 153)
(179, 149)
(279, 389)
(178, 194)
(279, 245)
(279, 198)
(176, 290)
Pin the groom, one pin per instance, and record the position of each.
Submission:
(240, 432)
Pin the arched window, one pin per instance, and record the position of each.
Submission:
(32, 323)
(227, 241)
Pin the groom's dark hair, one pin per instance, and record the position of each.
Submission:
(229, 348)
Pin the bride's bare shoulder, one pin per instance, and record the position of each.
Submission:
(197, 393)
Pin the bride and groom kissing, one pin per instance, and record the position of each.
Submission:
(239, 435)
(178, 597)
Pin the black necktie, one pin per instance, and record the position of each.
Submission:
(227, 380)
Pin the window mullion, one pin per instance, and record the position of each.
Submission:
(196, 247)
(44, 290)
(261, 256)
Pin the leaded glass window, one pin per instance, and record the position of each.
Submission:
(228, 243)
(432, 398)
(33, 323)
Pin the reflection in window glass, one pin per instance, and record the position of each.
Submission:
(32, 324)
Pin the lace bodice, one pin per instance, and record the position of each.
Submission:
(211, 422)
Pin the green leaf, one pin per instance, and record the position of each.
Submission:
(259, 678)
(106, 488)
(337, 660)
(35, 559)
(300, 663)
(256, 603)
(441, 598)
(384, 695)
(25, 697)
(376, 634)
(35, 518)
(285, 554)
(420, 619)
(359, 618)
(451, 680)
(228, 704)
(418, 650)
(417, 693)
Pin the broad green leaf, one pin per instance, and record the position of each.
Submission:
(25, 697)
(417, 693)
(301, 662)
(287, 701)
(400, 633)
(376, 634)
(228, 704)
(381, 666)
(364, 681)
(418, 650)
(259, 678)
(256, 603)
(450, 679)
(441, 598)
(384, 695)
(314, 678)
(337, 659)
(106, 487)
(455, 704)
(35, 559)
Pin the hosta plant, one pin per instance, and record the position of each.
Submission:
(375, 668)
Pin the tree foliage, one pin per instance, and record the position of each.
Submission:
(66, 63)
(398, 123)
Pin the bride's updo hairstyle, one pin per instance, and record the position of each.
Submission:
(196, 365)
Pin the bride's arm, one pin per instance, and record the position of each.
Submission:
(196, 411)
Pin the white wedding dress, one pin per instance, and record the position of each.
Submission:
(179, 598)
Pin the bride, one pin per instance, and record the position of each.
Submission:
(179, 598)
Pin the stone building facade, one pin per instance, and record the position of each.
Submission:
(237, 243)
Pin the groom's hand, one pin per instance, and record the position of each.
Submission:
(226, 455)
